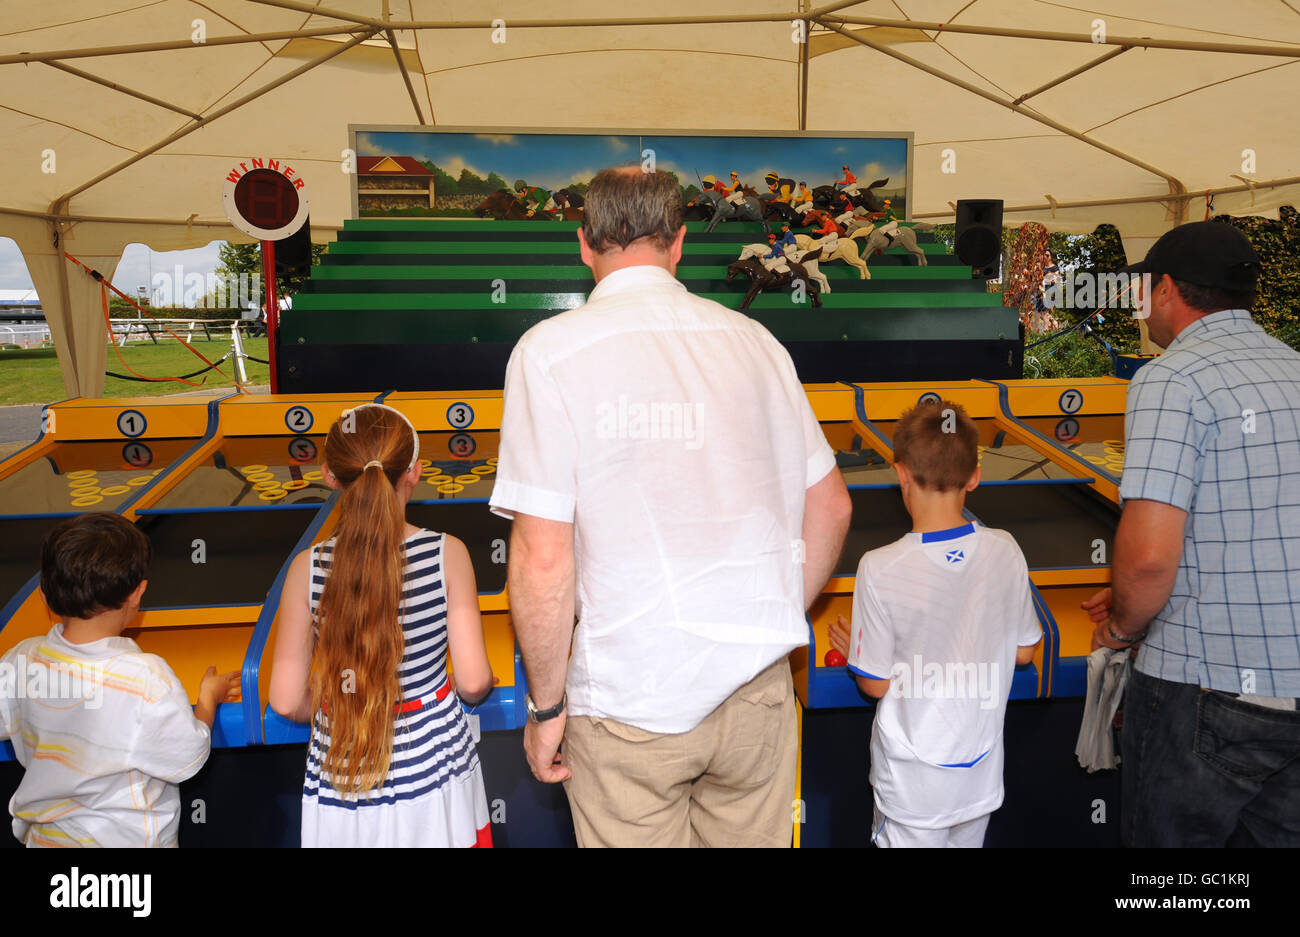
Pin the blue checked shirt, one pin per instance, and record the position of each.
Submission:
(1213, 427)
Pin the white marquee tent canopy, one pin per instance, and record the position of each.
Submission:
(1128, 111)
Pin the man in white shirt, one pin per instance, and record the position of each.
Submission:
(671, 488)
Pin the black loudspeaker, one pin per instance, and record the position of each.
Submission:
(293, 254)
(979, 236)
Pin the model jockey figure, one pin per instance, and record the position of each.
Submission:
(830, 233)
(775, 259)
(849, 182)
(803, 202)
(847, 210)
(890, 227)
(737, 196)
(535, 199)
(782, 189)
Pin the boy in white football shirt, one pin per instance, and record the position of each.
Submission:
(941, 618)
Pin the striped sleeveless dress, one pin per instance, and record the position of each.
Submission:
(433, 794)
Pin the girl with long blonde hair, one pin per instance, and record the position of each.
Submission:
(366, 621)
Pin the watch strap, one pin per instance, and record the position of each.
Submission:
(543, 715)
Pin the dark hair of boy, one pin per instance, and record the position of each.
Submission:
(92, 563)
(939, 444)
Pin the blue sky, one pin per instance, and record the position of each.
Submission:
(136, 268)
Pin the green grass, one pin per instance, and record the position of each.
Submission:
(1072, 355)
(36, 379)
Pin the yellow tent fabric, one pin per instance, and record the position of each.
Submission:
(122, 117)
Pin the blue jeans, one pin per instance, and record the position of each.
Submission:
(1202, 768)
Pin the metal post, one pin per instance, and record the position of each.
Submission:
(272, 310)
(237, 349)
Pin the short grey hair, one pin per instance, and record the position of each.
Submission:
(626, 205)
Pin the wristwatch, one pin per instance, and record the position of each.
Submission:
(1123, 640)
(542, 715)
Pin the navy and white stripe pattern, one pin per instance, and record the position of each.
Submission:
(431, 745)
(1213, 428)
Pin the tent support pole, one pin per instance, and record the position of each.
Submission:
(1175, 187)
(25, 58)
(63, 200)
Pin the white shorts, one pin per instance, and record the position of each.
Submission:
(890, 834)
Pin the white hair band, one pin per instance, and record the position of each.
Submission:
(415, 437)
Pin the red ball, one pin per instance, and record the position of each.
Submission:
(835, 659)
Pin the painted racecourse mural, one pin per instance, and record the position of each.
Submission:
(803, 180)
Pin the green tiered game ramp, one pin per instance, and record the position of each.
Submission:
(439, 304)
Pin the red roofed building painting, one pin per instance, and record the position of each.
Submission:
(392, 183)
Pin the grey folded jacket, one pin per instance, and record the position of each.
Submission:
(1108, 671)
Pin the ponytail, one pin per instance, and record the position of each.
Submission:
(355, 681)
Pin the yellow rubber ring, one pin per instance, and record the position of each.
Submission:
(294, 485)
(439, 480)
(313, 476)
(115, 490)
(84, 490)
(260, 477)
(1112, 442)
(139, 480)
(83, 482)
(157, 471)
(450, 488)
(273, 495)
(267, 486)
(1095, 460)
(466, 479)
(492, 461)
(252, 469)
(86, 501)
(483, 469)
(84, 473)
(425, 463)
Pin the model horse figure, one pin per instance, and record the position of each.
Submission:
(904, 237)
(826, 196)
(761, 278)
(808, 259)
(751, 210)
(780, 211)
(845, 250)
(504, 205)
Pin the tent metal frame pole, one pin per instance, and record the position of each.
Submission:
(827, 10)
(1184, 197)
(118, 219)
(159, 102)
(720, 18)
(803, 76)
(22, 58)
(63, 200)
(1145, 42)
(1072, 74)
(1176, 187)
(25, 58)
(406, 76)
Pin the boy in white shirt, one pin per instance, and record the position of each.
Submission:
(104, 730)
(941, 618)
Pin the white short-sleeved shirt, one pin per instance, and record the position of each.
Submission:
(675, 435)
(106, 734)
(941, 615)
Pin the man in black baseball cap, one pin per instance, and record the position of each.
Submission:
(1206, 561)
(1210, 264)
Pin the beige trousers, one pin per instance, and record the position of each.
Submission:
(728, 782)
